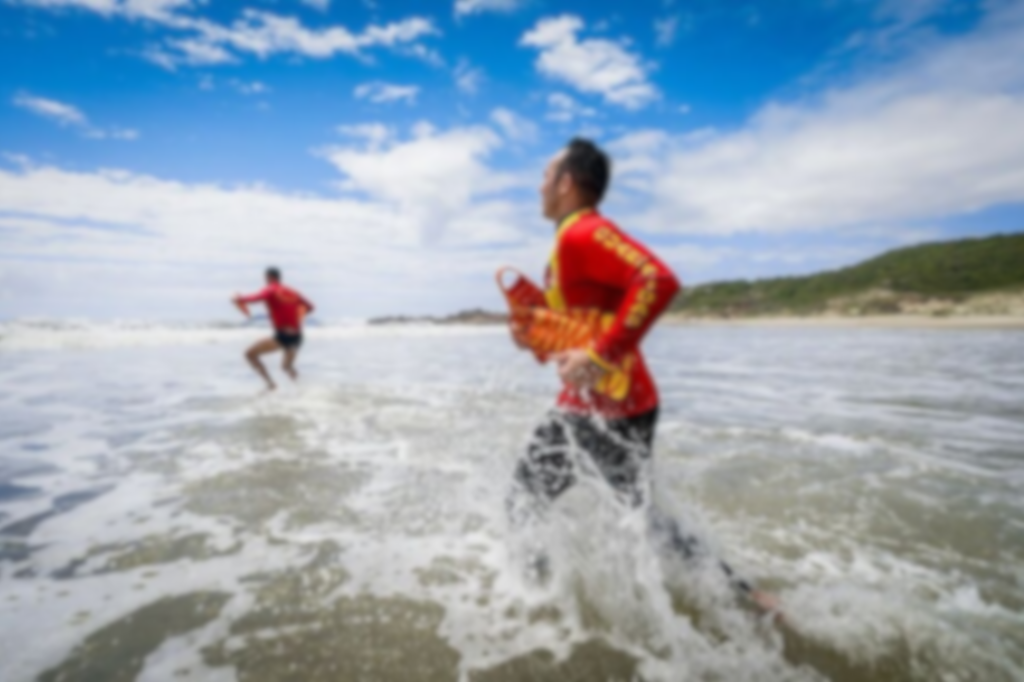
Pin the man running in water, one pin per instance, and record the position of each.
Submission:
(287, 308)
(608, 407)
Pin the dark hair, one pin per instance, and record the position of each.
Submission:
(589, 168)
(274, 274)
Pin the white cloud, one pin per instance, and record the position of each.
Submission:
(68, 115)
(432, 177)
(564, 109)
(513, 125)
(155, 10)
(591, 65)
(379, 93)
(190, 51)
(935, 136)
(665, 30)
(423, 226)
(129, 134)
(256, 32)
(263, 34)
(162, 58)
(466, 7)
(63, 114)
(250, 88)
(906, 13)
(139, 9)
(689, 259)
(373, 134)
(424, 53)
(638, 151)
(467, 77)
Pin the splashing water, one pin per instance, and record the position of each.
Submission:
(161, 520)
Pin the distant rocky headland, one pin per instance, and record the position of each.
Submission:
(475, 316)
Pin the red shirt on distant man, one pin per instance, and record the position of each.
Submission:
(287, 309)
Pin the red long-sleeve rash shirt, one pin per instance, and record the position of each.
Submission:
(284, 305)
(597, 265)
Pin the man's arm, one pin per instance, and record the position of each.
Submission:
(621, 262)
(607, 256)
(260, 295)
(304, 302)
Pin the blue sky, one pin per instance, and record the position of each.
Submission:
(157, 154)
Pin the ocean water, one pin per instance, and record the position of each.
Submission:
(162, 519)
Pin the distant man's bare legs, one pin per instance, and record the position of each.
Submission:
(253, 356)
(288, 363)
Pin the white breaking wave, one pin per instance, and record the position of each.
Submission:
(41, 333)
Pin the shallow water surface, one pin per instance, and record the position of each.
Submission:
(160, 519)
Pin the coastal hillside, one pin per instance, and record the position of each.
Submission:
(969, 276)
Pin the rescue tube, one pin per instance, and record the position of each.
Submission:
(546, 332)
(542, 330)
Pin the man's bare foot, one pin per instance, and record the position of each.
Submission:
(768, 604)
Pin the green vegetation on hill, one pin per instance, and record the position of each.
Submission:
(943, 270)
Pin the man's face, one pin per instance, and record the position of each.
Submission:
(553, 188)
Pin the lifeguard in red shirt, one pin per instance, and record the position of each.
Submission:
(287, 309)
(603, 285)
(609, 403)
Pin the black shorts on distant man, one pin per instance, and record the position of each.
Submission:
(288, 340)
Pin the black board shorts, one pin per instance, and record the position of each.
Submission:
(288, 340)
(619, 448)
